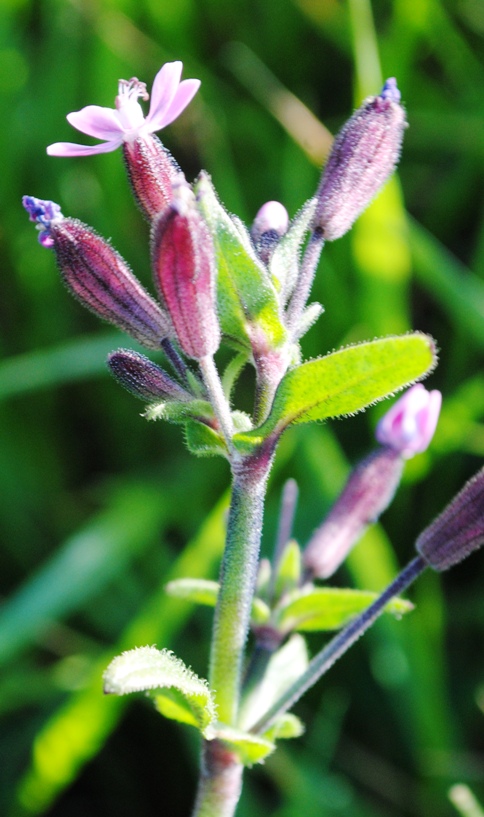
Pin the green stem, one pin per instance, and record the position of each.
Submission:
(217, 397)
(237, 583)
(220, 782)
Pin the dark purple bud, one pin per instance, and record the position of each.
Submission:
(368, 492)
(364, 154)
(151, 170)
(143, 378)
(183, 259)
(458, 531)
(97, 275)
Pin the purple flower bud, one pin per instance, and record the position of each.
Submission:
(97, 275)
(410, 424)
(270, 223)
(458, 531)
(151, 170)
(367, 493)
(183, 259)
(364, 154)
(143, 378)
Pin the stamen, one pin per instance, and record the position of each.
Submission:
(129, 89)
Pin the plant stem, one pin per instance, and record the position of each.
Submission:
(217, 397)
(237, 582)
(220, 782)
(339, 644)
(305, 280)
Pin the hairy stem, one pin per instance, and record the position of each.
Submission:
(237, 583)
(220, 782)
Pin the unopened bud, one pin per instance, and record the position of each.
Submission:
(98, 276)
(270, 223)
(364, 154)
(151, 171)
(410, 424)
(367, 493)
(143, 378)
(183, 259)
(458, 531)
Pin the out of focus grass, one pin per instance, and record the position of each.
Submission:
(99, 508)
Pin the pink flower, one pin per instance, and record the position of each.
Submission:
(411, 422)
(126, 122)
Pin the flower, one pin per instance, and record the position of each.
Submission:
(411, 422)
(126, 122)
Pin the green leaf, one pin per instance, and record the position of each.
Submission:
(330, 608)
(175, 411)
(205, 591)
(197, 591)
(249, 748)
(285, 727)
(346, 381)
(147, 669)
(247, 299)
(204, 441)
(284, 667)
(284, 262)
(288, 570)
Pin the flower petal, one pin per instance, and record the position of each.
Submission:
(94, 120)
(184, 95)
(164, 89)
(71, 149)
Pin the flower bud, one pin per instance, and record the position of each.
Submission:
(143, 378)
(97, 275)
(364, 154)
(410, 424)
(151, 171)
(270, 223)
(183, 259)
(458, 531)
(367, 493)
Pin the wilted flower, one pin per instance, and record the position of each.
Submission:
(97, 275)
(363, 156)
(409, 425)
(126, 122)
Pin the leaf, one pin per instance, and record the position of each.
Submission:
(284, 262)
(285, 727)
(146, 669)
(247, 299)
(288, 570)
(197, 591)
(249, 748)
(175, 411)
(346, 381)
(205, 591)
(330, 608)
(204, 441)
(284, 667)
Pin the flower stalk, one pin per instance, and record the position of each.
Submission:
(237, 582)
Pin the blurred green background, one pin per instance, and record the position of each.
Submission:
(98, 508)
